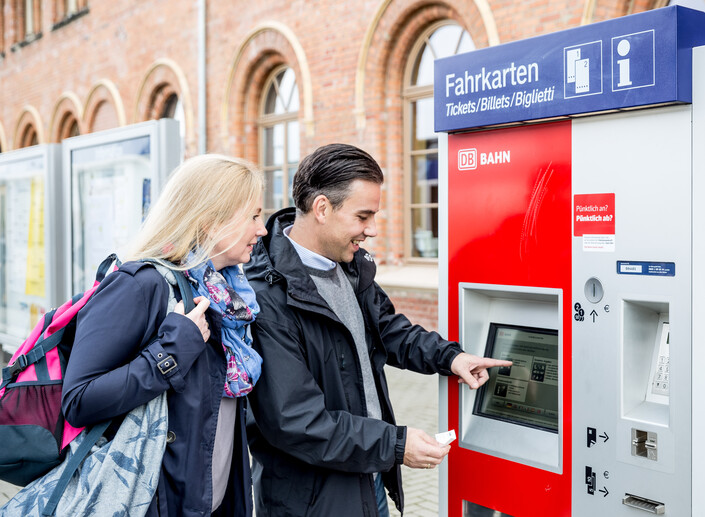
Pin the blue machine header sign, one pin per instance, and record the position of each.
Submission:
(638, 60)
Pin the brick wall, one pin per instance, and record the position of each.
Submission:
(421, 307)
(104, 66)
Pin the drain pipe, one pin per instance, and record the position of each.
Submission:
(202, 118)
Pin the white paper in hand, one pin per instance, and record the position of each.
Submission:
(446, 437)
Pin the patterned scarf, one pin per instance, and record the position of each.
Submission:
(231, 295)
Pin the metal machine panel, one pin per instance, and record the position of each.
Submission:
(631, 424)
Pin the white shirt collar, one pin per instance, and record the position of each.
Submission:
(308, 257)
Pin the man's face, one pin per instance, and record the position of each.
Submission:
(353, 221)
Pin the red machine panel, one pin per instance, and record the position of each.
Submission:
(509, 210)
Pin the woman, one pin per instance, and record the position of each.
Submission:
(205, 223)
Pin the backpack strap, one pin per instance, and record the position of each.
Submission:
(72, 465)
(174, 278)
(105, 266)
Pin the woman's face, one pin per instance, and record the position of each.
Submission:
(236, 245)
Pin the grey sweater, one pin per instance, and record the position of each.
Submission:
(336, 290)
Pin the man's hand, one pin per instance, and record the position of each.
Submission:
(422, 451)
(472, 370)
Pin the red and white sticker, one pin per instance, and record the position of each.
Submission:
(593, 220)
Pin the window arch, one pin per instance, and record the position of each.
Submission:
(67, 119)
(443, 39)
(174, 108)
(69, 127)
(279, 137)
(166, 103)
(28, 137)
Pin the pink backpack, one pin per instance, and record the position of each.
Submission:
(33, 431)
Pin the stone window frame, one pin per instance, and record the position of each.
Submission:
(164, 81)
(67, 118)
(412, 94)
(68, 127)
(379, 106)
(28, 137)
(268, 46)
(28, 130)
(103, 92)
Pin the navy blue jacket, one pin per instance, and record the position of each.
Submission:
(313, 448)
(120, 335)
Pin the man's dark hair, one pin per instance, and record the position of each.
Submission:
(330, 170)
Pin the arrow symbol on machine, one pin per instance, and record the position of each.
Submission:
(604, 491)
(594, 315)
(604, 437)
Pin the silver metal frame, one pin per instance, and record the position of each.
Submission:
(165, 155)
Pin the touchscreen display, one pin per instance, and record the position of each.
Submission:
(525, 393)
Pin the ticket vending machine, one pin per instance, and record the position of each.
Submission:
(573, 243)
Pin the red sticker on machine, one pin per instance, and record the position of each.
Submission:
(593, 214)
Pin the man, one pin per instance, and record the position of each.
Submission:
(321, 428)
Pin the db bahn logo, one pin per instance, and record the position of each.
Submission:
(467, 159)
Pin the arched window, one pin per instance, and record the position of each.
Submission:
(73, 129)
(420, 141)
(174, 108)
(279, 138)
(104, 117)
(29, 137)
(69, 127)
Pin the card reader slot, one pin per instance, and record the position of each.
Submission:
(642, 503)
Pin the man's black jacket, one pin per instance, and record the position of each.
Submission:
(314, 450)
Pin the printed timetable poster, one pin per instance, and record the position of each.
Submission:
(636, 60)
(111, 194)
(22, 245)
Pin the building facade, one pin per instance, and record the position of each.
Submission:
(271, 81)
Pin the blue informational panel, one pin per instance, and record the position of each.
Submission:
(638, 60)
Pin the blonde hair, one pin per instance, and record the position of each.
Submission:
(203, 198)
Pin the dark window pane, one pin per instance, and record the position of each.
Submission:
(424, 182)
(424, 232)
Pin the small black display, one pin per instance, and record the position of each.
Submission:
(525, 393)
